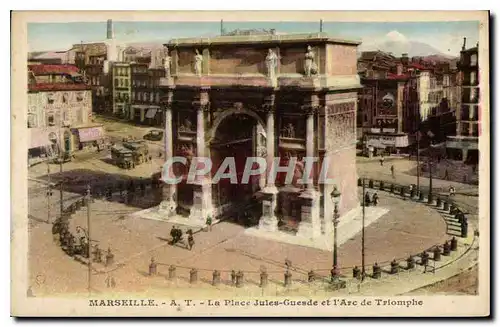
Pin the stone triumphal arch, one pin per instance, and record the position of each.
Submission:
(276, 96)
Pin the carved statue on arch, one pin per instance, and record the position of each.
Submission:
(186, 126)
(310, 66)
(167, 61)
(271, 63)
(198, 60)
(288, 131)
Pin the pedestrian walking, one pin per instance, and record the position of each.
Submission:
(209, 223)
(375, 199)
(392, 171)
(452, 191)
(446, 176)
(173, 234)
(190, 241)
(367, 199)
(381, 160)
(233, 277)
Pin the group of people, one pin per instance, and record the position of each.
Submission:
(70, 244)
(371, 200)
(176, 234)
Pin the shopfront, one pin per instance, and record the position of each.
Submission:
(90, 137)
(47, 143)
(386, 143)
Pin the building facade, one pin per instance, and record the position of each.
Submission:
(401, 96)
(269, 96)
(56, 113)
(388, 104)
(146, 91)
(90, 58)
(121, 89)
(464, 144)
(59, 113)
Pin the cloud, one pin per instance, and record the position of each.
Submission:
(397, 42)
(395, 36)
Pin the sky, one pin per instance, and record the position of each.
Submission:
(446, 37)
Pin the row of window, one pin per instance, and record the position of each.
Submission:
(96, 60)
(469, 60)
(435, 97)
(119, 82)
(51, 97)
(469, 112)
(146, 96)
(122, 97)
(139, 69)
(471, 79)
(51, 118)
(152, 82)
(435, 83)
(137, 83)
(470, 95)
(122, 71)
(94, 80)
(151, 72)
(469, 129)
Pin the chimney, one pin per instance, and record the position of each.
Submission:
(404, 59)
(399, 68)
(109, 31)
(463, 46)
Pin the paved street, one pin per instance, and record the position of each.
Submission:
(406, 229)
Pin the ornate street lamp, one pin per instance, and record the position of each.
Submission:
(335, 199)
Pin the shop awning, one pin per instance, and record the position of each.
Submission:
(90, 134)
(151, 113)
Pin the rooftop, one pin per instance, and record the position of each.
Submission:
(53, 69)
(474, 49)
(398, 77)
(259, 38)
(58, 87)
(48, 55)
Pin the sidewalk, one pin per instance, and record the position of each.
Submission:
(349, 225)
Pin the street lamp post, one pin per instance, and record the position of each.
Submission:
(335, 198)
(89, 198)
(363, 272)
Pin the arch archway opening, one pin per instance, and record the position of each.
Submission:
(235, 138)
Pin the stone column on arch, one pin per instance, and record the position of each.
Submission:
(202, 189)
(168, 206)
(310, 224)
(269, 221)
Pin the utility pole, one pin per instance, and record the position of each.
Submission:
(49, 191)
(429, 200)
(61, 209)
(418, 160)
(363, 236)
(88, 232)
